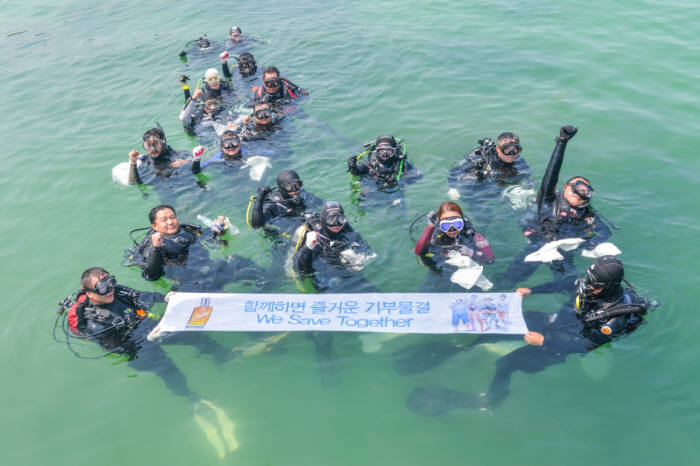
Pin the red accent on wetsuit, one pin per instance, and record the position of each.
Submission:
(424, 239)
(483, 245)
(73, 315)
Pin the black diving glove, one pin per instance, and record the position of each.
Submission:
(352, 164)
(263, 191)
(567, 132)
(432, 218)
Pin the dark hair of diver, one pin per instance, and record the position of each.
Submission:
(154, 211)
(89, 274)
(508, 137)
(271, 70)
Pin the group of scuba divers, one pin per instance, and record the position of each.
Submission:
(327, 253)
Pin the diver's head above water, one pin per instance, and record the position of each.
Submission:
(154, 142)
(164, 220)
(289, 184)
(332, 218)
(508, 147)
(451, 220)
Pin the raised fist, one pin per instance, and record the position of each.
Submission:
(133, 157)
(157, 240)
(567, 132)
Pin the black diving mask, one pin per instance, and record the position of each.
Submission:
(582, 189)
(230, 143)
(104, 286)
(263, 114)
(511, 148)
(385, 153)
(153, 143)
(335, 220)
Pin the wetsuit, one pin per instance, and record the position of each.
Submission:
(148, 168)
(225, 86)
(434, 246)
(326, 263)
(197, 122)
(287, 92)
(122, 326)
(280, 213)
(220, 158)
(565, 333)
(384, 176)
(183, 258)
(552, 218)
(251, 131)
(482, 166)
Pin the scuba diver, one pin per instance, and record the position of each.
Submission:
(160, 161)
(281, 210)
(498, 163)
(275, 89)
(231, 152)
(176, 252)
(204, 112)
(490, 172)
(115, 317)
(330, 252)
(455, 233)
(246, 65)
(262, 123)
(600, 311)
(558, 215)
(199, 46)
(385, 166)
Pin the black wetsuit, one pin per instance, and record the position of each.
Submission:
(564, 334)
(149, 169)
(122, 326)
(287, 92)
(278, 214)
(183, 258)
(390, 176)
(330, 270)
(482, 174)
(251, 131)
(552, 218)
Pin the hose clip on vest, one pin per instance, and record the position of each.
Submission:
(66, 303)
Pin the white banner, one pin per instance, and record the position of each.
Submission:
(369, 312)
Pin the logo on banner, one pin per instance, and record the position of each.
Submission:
(200, 314)
(481, 314)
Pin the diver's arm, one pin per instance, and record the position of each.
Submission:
(303, 259)
(152, 261)
(424, 240)
(257, 217)
(483, 253)
(188, 111)
(602, 233)
(547, 191)
(225, 69)
(410, 173)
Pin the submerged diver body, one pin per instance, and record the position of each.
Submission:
(455, 235)
(558, 215)
(600, 311)
(176, 252)
(116, 317)
(383, 167)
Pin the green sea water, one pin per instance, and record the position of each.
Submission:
(83, 80)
